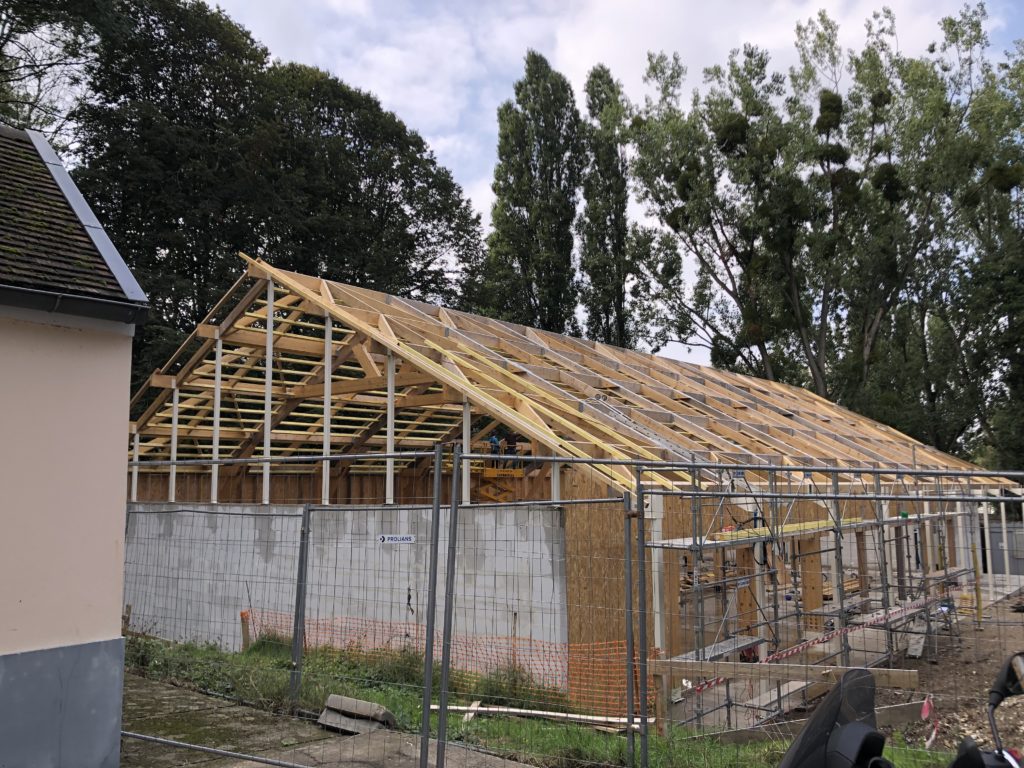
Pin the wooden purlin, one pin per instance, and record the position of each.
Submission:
(886, 445)
(724, 439)
(568, 396)
(886, 438)
(468, 343)
(474, 394)
(571, 408)
(717, 419)
(465, 343)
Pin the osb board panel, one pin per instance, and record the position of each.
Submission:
(594, 561)
(677, 522)
(746, 599)
(246, 487)
(811, 578)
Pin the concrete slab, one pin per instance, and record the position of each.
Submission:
(380, 749)
(147, 698)
(158, 709)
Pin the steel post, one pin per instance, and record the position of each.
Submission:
(299, 625)
(449, 608)
(428, 651)
(628, 549)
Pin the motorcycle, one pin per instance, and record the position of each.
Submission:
(842, 732)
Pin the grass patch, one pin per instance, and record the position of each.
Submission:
(260, 677)
(513, 686)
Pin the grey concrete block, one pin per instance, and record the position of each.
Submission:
(336, 721)
(367, 710)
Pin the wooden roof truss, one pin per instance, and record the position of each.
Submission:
(567, 396)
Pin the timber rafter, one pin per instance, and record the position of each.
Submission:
(565, 396)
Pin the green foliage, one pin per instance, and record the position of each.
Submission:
(260, 676)
(615, 292)
(528, 275)
(886, 180)
(830, 112)
(192, 145)
(393, 678)
(844, 222)
(514, 686)
(730, 131)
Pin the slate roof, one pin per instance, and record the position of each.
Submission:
(51, 244)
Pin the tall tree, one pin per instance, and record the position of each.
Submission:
(528, 275)
(813, 205)
(164, 155)
(351, 194)
(603, 226)
(42, 48)
(992, 217)
(193, 147)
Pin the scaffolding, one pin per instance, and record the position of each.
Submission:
(788, 575)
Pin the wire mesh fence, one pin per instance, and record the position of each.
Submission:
(549, 621)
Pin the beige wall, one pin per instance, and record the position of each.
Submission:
(63, 425)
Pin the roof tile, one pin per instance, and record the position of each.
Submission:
(43, 244)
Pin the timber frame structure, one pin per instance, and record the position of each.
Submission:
(389, 375)
(766, 513)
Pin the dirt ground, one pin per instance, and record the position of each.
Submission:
(957, 670)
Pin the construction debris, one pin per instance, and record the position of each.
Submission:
(354, 716)
(619, 723)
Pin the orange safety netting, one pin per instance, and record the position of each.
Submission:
(590, 677)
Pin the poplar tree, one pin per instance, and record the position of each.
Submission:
(528, 275)
(603, 227)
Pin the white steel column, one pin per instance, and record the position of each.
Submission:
(1006, 544)
(268, 390)
(928, 551)
(963, 552)
(215, 450)
(556, 479)
(134, 473)
(926, 542)
(983, 514)
(656, 514)
(325, 491)
(172, 477)
(389, 480)
(467, 447)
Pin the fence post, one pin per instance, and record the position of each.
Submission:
(628, 530)
(839, 588)
(883, 564)
(449, 608)
(642, 600)
(299, 625)
(428, 650)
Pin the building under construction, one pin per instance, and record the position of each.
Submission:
(774, 525)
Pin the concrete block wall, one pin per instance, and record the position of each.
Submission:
(191, 569)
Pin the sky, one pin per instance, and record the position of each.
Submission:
(444, 67)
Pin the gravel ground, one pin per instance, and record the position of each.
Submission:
(958, 674)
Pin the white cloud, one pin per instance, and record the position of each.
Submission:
(349, 7)
(445, 67)
(480, 192)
